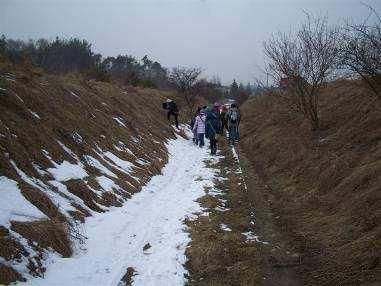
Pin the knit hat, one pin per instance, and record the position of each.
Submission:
(169, 100)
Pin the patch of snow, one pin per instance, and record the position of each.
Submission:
(35, 115)
(96, 164)
(3, 89)
(142, 162)
(122, 165)
(155, 216)
(38, 184)
(67, 150)
(77, 138)
(239, 167)
(39, 170)
(224, 227)
(118, 148)
(107, 184)
(63, 189)
(73, 94)
(14, 206)
(221, 209)
(120, 121)
(18, 97)
(250, 237)
(102, 136)
(66, 171)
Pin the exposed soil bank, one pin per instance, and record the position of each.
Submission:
(325, 193)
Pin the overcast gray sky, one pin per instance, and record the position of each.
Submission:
(224, 37)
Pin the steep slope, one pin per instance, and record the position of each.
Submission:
(69, 148)
(326, 193)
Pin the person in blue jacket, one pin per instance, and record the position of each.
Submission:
(212, 128)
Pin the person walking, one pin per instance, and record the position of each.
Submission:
(212, 127)
(224, 119)
(234, 118)
(193, 120)
(172, 111)
(199, 128)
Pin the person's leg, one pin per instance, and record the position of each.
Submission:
(213, 145)
(176, 120)
(202, 143)
(169, 115)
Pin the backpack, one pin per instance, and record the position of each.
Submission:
(233, 117)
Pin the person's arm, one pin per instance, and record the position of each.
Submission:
(195, 124)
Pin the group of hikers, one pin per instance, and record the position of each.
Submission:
(207, 122)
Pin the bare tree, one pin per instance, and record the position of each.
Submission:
(361, 51)
(301, 63)
(184, 80)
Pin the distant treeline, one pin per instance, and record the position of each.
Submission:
(76, 55)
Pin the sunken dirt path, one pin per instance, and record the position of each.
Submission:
(202, 222)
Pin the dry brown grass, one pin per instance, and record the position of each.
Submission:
(326, 193)
(71, 104)
(9, 275)
(47, 233)
(127, 278)
(218, 257)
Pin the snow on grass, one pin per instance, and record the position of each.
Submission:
(66, 171)
(35, 115)
(224, 227)
(3, 89)
(14, 206)
(142, 162)
(134, 139)
(153, 216)
(107, 184)
(251, 237)
(120, 121)
(73, 94)
(38, 184)
(19, 98)
(121, 165)
(67, 150)
(77, 138)
(91, 161)
(63, 189)
(239, 167)
(39, 170)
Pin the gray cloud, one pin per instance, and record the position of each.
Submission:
(224, 37)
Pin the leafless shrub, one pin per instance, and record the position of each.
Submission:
(183, 80)
(301, 63)
(361, 51)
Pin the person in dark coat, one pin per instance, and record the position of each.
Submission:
(172, 111)
(212, 128)
(224, 119)
(234, 118)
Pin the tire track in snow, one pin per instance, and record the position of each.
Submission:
(154, 215)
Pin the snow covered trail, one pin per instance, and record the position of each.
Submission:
(154, 215)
